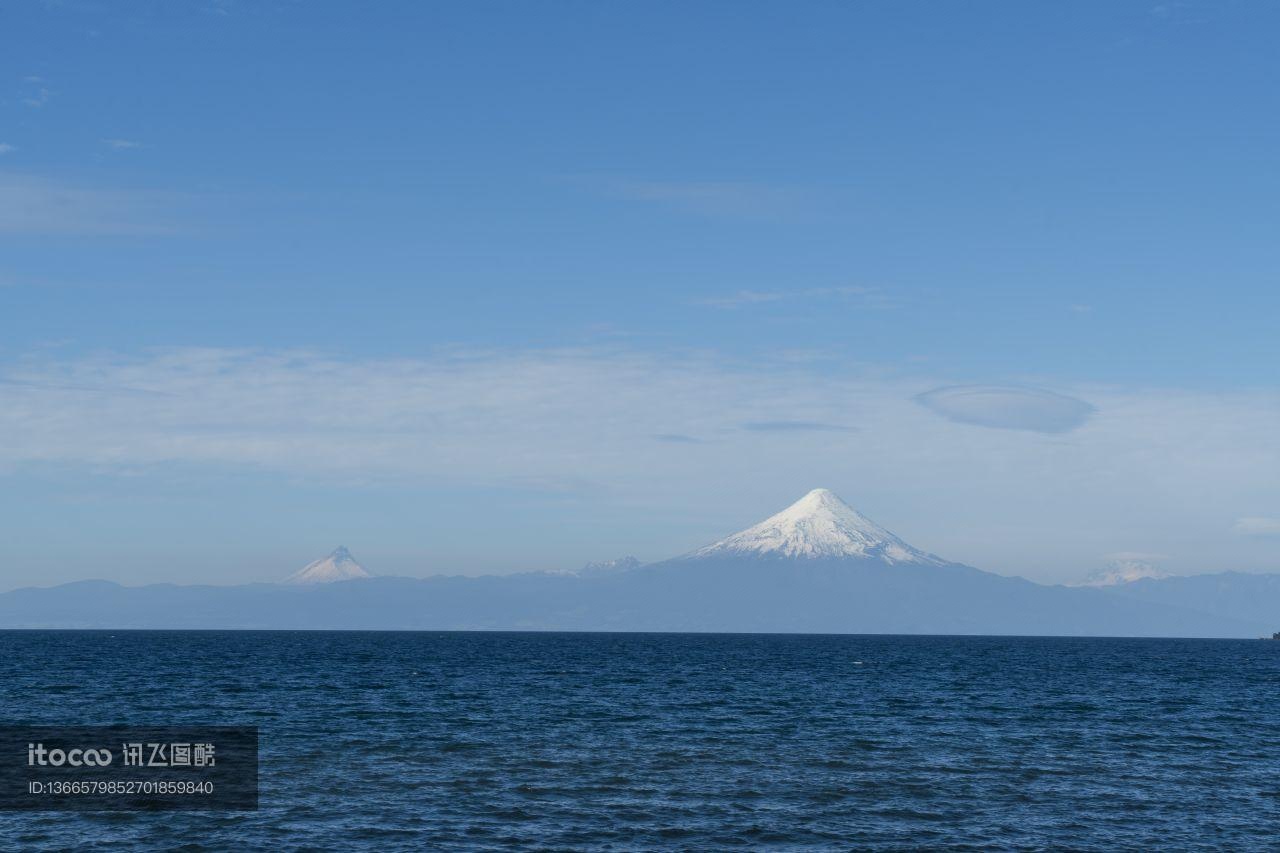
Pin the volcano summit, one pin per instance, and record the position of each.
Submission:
(818, 526)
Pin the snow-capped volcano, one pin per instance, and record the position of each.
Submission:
(338, 566)
(818, 526)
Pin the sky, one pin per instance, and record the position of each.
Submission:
(488, 287)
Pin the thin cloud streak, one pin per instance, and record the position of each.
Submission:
(35, 206)
(795, 426)
(714, 199)
(1257, 526)
(743, 297)
(864, 296)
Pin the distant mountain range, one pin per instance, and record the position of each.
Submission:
(818, 566)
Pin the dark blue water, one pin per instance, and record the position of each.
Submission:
(386, 741)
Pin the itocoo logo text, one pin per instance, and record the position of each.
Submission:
(37, 755)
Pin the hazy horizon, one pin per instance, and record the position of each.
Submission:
(1120, 568)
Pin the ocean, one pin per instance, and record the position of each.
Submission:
(472, 741)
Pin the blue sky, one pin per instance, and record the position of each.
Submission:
(483, 287)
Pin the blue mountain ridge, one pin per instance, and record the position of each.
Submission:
(816, 567)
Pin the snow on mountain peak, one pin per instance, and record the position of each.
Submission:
(609, 567)
(819, 525)
(1124, 568)
(338, 566)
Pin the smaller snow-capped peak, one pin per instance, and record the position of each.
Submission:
(609, 567)
(338, 566)
(1124, 569)
(819, 525)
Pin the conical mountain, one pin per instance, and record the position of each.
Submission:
(338, 566)
(818, 526)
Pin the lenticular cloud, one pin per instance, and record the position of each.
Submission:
(1007, 407)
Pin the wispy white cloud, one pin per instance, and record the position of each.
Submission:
(1134, 557)
(743, 297)
(199, 403)
(37, 93)
(865, 296)
(6, 148)
(715, 199)
(677, 438)
(795, 426)
(121, 144)
(31, 205)
(1257, 526)
(294, 410)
